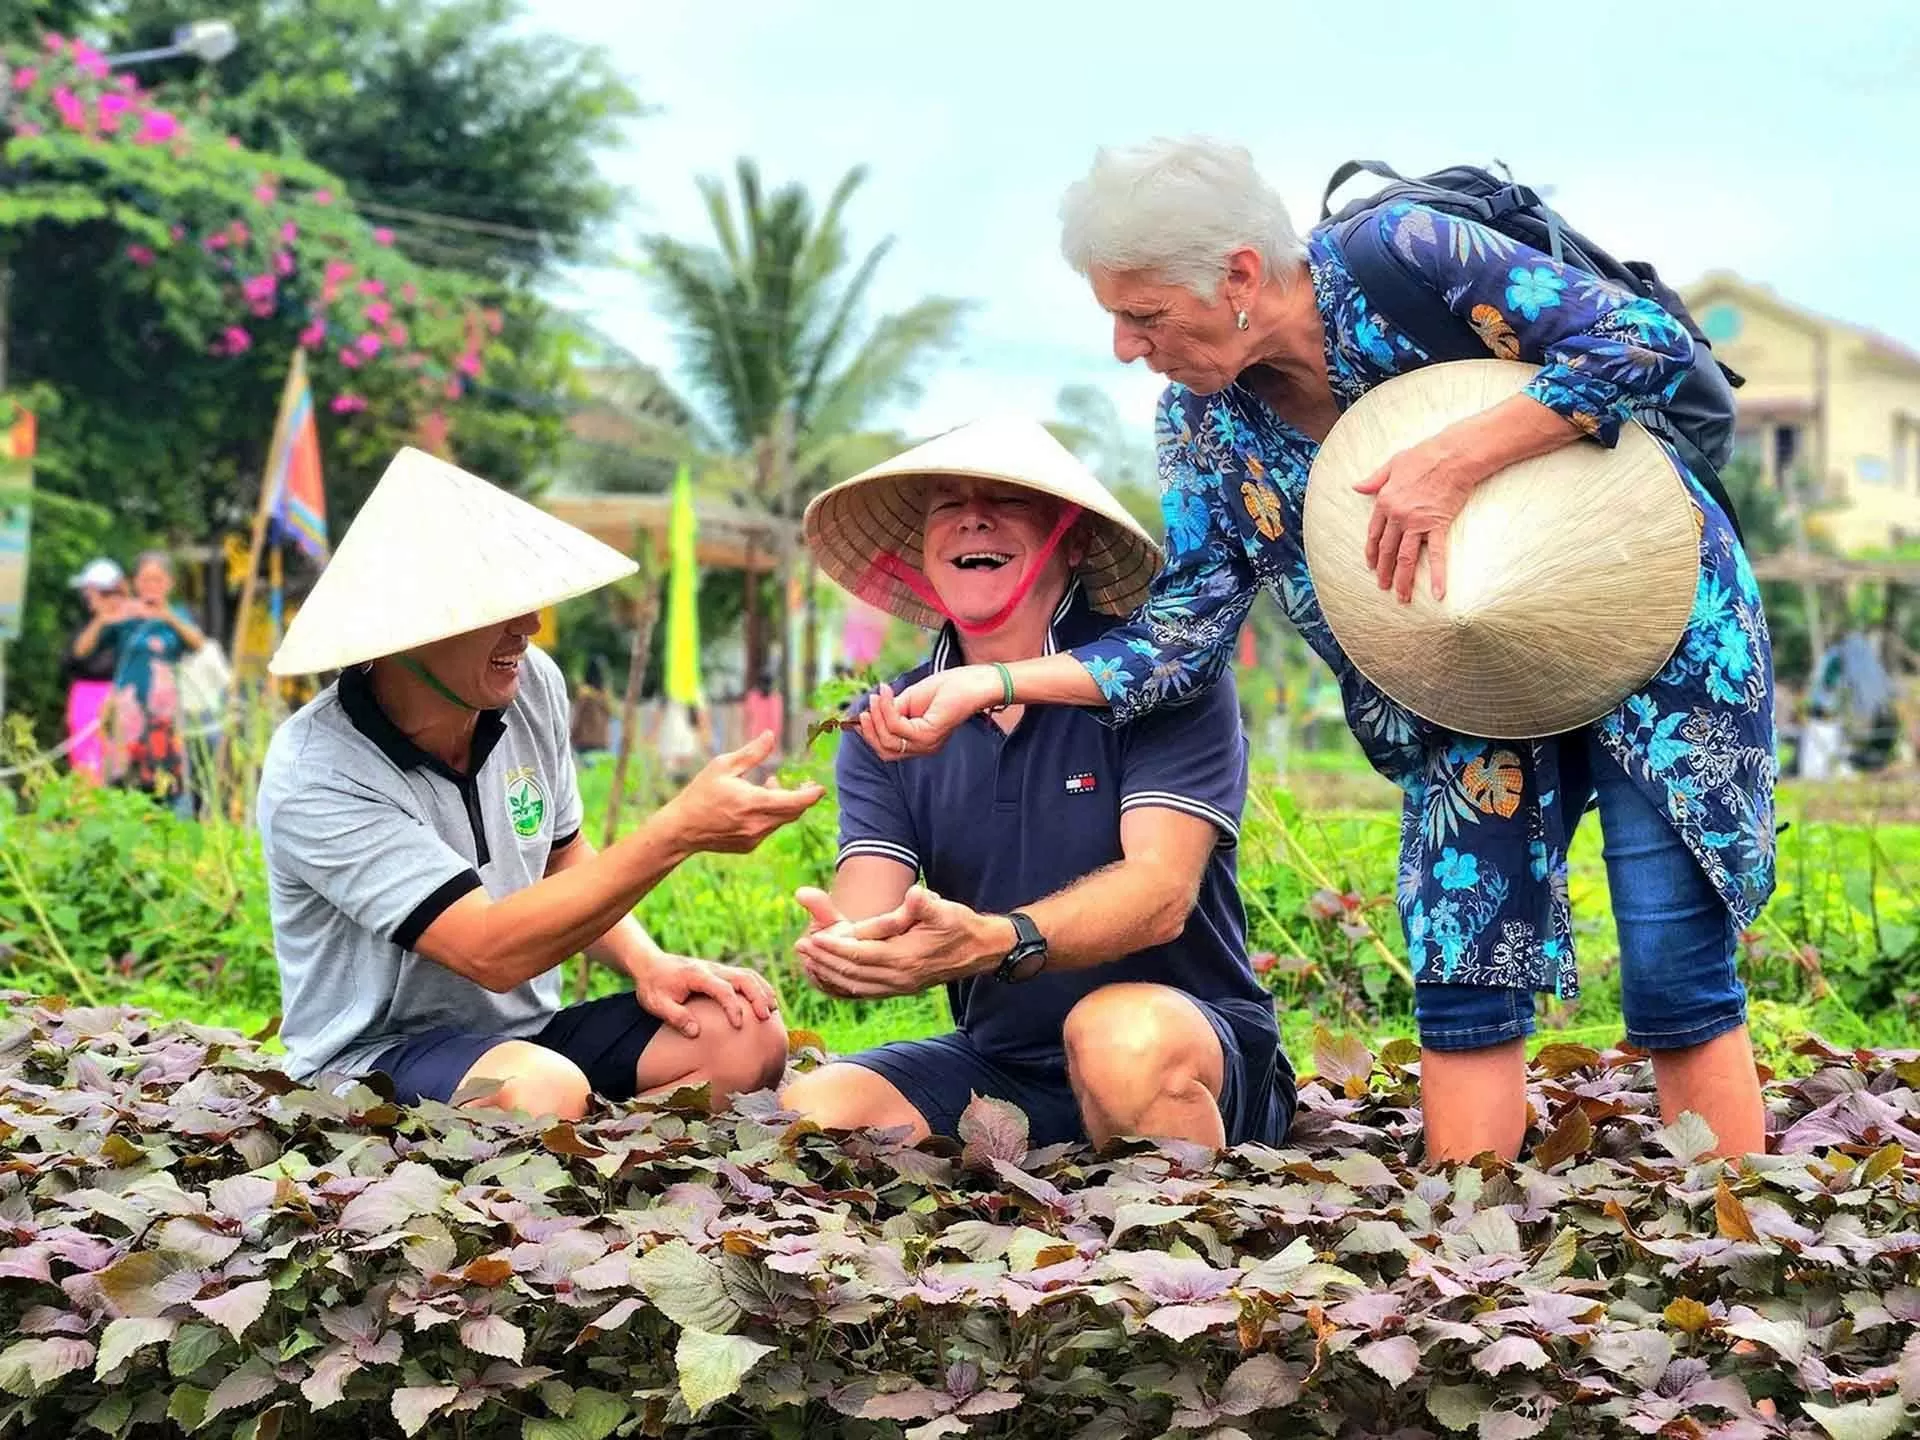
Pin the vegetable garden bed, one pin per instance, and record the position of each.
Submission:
(189, 1242)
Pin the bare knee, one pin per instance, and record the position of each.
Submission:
(754, 1057)
(533, 1079)
(1131, 1046)
(852, 1097)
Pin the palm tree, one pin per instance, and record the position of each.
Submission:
(773, 349)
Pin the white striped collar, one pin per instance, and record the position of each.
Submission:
(946, 649)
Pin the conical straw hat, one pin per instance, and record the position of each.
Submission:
(437, 552)
(1570, 577)
(881, 511)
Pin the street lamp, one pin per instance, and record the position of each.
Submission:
(209, 41)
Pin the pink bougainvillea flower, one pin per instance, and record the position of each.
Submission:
(215, 242)
(289, 232)
(265, 193)
(368, 344)
(468, 364)
(112, 108)
(346, 403)
(313, 334)
(433, 431)
(127, 85)
(409, 292)
(239, 232)
(140, 255)
(233, 142)
(382, 235)
(337, 270)
(56, 44)
(156, 128)
(178, 232)
(379, 313)
(283, 262)
(24, 77)
(453, 390)
(397, 334)
(350, 359)
(237, 340)
(259, 287)
(372, 287)
(323, 197)
(87, 60)
(72, 113)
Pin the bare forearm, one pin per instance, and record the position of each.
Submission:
(1110, 914)
(1518, 428)
(1054, 680)
(531, 931)
(625, 948)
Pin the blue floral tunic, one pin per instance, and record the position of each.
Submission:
(1483, 839)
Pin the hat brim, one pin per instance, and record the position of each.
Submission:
(1571, 577)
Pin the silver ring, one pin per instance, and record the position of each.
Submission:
(903, 744)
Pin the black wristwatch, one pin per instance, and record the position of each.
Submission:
(1028, 957)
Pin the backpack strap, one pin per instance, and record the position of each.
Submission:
(1352, 168)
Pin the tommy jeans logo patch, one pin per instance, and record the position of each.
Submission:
(1082, 783)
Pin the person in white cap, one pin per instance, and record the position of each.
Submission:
(91, 659)
(1079, 899)
(421, 822)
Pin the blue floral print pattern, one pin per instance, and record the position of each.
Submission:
(1482, 888)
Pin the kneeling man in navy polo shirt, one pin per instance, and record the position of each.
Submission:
(1078, 895)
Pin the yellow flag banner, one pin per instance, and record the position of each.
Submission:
(682, 660)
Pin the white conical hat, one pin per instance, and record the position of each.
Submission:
(437, 552)
(1570, 577)
(880, 511)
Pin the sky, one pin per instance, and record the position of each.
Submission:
(1777, 139)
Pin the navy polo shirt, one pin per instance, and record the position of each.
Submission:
(999, 821)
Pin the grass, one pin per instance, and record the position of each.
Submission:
(103, 896)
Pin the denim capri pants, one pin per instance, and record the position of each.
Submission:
(1678, 942)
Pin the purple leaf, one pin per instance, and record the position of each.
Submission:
(1170, 1280)
(327, 1383)
(1183, 1322)
(494, 1335)
(1395, 1360)
(414, 1405)
(1511, 1350)
(237, 1308)
(992, 1130)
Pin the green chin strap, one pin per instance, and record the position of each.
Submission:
(420, 672)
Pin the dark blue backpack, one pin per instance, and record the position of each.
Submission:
(1697, 422)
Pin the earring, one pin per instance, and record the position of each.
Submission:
(1240, 320)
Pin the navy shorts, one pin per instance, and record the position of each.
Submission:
(941, 1075)
(603, 1037)
(1679, 985)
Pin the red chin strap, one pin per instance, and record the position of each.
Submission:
(889, 566)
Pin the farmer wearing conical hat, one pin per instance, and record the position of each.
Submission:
(1077, 892)
(422, 824)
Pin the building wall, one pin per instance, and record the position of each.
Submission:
(1871, 479)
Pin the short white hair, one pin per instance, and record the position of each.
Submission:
(1176, 208)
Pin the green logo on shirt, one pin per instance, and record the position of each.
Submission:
(526, 802)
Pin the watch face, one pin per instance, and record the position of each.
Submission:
(1027, 961)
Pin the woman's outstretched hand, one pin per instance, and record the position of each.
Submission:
(919, 719)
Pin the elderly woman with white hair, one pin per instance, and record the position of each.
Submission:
(1266, 338)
